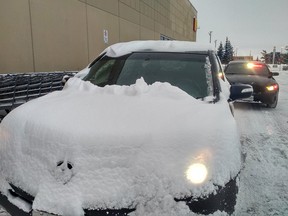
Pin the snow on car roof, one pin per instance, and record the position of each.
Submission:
(124, 48)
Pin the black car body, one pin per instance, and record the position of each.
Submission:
(258, 75)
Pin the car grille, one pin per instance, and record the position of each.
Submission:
(257, 89)
(108, 212)
(17, 192)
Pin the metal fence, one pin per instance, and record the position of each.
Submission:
(16, 89)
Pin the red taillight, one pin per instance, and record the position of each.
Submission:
(272, 87)
(254, 65)
(258, 65)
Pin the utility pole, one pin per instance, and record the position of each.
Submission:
(215, 41)
(210, 35)
(274, 50)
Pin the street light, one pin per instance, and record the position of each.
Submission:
(273, 58)
(210, 35)
(236, 50)
(281, 57)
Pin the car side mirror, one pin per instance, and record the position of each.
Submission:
(240, 91)
(271, 74)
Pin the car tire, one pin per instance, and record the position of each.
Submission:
(274, 104)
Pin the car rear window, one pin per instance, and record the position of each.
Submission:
(247, 68)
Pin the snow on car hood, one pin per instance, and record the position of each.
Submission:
(116, 146)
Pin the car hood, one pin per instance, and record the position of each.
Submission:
(249, 79)
(117, 146)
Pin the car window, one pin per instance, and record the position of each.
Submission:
(186, 71)
(247, 68)
(100, 71)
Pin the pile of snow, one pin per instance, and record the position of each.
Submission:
(129, 146)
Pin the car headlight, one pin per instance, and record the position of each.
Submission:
(197, 173)
(272, 87)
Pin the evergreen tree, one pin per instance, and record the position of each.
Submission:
(228, 54)
(220, 52)
(263, 57)
(285, 58)
(280, 58)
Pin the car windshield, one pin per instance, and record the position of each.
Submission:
(247, 68)
(189, 72)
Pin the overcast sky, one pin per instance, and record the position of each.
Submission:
(250, 25)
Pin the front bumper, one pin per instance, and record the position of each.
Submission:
(262, 97)
(110, 212)
(265, 97)
(224, 200)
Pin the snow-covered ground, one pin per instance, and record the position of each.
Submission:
(264, 136)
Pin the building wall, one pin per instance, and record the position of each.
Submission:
(242, 58)
(38, 35)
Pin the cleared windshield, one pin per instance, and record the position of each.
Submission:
(187, 71)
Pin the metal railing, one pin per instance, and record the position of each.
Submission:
(16, 89)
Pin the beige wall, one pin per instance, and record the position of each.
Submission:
(42, 35)
(15, 37)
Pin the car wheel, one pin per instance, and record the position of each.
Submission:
(274, 104)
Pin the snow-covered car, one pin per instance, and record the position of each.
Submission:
(145, 129)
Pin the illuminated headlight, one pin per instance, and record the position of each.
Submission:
(220, 75)
(272, 87)
(197, 173)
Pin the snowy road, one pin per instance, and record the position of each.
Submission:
(264, 136)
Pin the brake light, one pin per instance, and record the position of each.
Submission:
(272, 87)
(253, 65)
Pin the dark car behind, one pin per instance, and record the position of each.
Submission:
(258, 75)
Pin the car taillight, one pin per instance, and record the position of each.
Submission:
(253, 65)
(272, 87)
